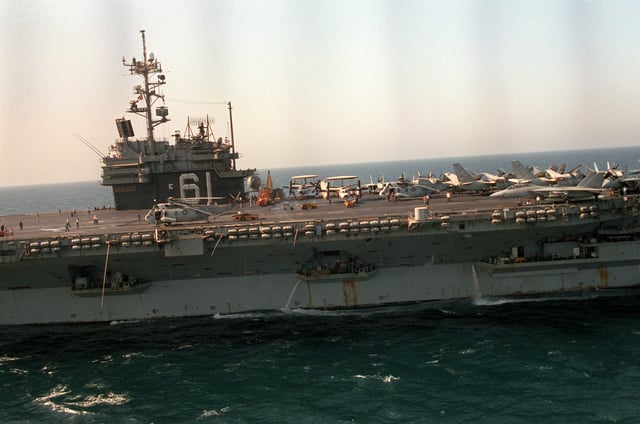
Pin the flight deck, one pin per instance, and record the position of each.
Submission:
(53, 224)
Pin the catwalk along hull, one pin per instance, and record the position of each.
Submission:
(320, 263)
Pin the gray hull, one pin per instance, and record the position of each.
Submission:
(319, 264)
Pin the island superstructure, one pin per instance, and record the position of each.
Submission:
(197, 164)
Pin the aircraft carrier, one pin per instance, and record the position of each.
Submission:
(377, 253)
(312, 254)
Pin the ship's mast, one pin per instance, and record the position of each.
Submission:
(147, 98)
(147, 92)
(233, 144)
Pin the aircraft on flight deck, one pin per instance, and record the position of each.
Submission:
(550, 176)
(372, 187)
(561, 178)
(329, 187)
(432, 182)
(614, 178)
(524, 176)
(300, 186)
(588, 188)
(185, 210)
(469, 182)
(405, 188)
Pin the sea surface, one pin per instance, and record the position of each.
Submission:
(553, 360)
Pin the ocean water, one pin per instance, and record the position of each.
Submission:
(553, 360)
(52, 197)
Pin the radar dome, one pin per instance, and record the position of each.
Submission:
(254, 182)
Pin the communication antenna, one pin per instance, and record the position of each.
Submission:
(91, 146)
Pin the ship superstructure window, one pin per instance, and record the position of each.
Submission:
(517, 252)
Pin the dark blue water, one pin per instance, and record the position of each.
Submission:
(556, 361)
(553, 361)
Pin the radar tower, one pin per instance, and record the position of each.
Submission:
(148, 91)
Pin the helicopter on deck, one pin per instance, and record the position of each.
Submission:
(186, 210)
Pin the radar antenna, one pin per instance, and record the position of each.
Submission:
(148, 93)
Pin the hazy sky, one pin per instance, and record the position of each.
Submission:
(320, 81)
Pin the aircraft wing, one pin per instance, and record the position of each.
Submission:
(207, 210)
(304, 177)
(516, 191)
(519, 181)
(429, 189)
(521, 171)
(631, 178)
(593, 180)
(569, 193)
(342, 177)
(462, 174)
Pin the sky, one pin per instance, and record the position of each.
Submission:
(318, 82)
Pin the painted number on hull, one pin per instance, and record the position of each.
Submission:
(189, 183)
